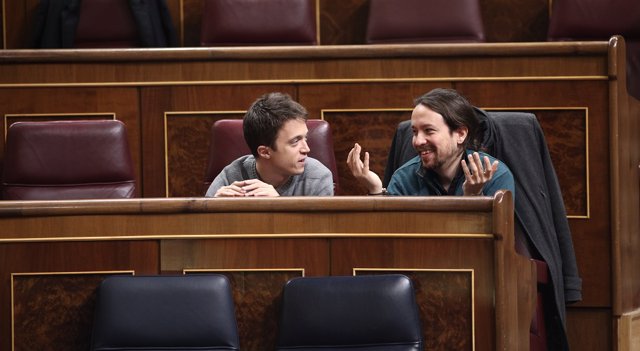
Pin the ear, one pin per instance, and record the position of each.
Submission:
(461, 134)
(264, 152)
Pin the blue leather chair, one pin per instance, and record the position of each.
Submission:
(158, 313)
(363, 313)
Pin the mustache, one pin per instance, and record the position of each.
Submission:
(425, 149)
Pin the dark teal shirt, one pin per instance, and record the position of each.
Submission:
(413, 179)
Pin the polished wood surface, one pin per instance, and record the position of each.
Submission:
(169, 97)
(459, 252)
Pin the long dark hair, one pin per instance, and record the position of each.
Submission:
(456, 111)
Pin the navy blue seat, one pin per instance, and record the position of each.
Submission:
(364, 313)
(154, 313)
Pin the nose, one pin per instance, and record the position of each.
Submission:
(305, 147)
(419, 139)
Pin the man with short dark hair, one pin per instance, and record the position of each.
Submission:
(444, 128)
(275, 130)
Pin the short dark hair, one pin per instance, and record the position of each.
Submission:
(456, 111)
(266, 116)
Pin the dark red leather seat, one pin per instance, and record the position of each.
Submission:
(424, 21)
(599, 20)
(63, 160)
(106, 24)
(258, 22)
(227, 144)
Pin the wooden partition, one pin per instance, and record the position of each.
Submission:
(459, 252)
(169, 99)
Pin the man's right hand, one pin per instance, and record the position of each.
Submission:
(250, 187)
(360, 170)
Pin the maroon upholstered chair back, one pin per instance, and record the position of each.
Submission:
(67, 160)
(423, 21)
(227, 144)
(106, 24)
(599, 20)
(258, 22)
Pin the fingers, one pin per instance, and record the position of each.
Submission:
(230, 191)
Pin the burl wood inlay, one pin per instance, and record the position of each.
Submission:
(373, 130)
(446, 310)
(566, 133)
(257, 296)
(188, 150)
(54, 310)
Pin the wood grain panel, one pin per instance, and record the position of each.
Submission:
(343, 22)
(519, 20)
(443, 254)
(589, 329)
(54, 309)
(373, 130)
(188, 138)
(191, 22)
(310, 255)
(43, 258)
(590, 236)
(442, 293)
(187, 143)
(257, 296)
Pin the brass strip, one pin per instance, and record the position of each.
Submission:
(73, 114)
(166, 137)
(317, 21)
(304, 81)
(4, 25)
(181, 23)
(473, 292)
(255, 236)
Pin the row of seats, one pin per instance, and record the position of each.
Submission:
(90, 159)
(196, 312)
(124, 24)
(115, 23)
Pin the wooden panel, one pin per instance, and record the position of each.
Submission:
(54, 309)
(44, 304)
(257, 297)
(446, 290)
(590, 234)
(166, 114)
(188, 137)
(589, 329)
(628, 326)
(259, 242)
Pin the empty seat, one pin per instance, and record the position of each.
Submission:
(424, 21)
(227, 144)
(599, 20)
(364, 313)
(258, 22)
(63, 160)
(158, 313)
(103, 24)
